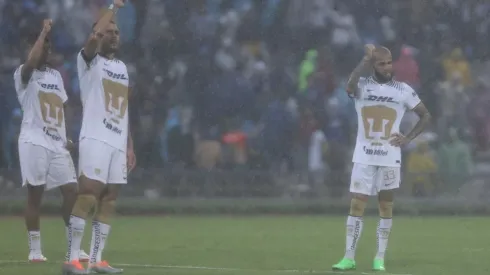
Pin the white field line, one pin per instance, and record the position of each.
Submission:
(224, 269)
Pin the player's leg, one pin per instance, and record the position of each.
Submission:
(69, 193)
(361, 187)
(94, 161)
(34, 165)
(101, 224)
(388, 181)
(62, 174)
(32, 220)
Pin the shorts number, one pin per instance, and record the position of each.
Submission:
(389, 175)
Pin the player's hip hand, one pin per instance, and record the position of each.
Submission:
(131, 160)
(398, 140)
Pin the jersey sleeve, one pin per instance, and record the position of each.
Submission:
(19, 86)
(360, 86)
(411, 99)
(83, 64)
(61, 86)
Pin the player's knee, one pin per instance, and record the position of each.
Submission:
(69, 191)
(88, 186)
(357, 206)
(386, 195)
(34, 195)
(84, 204)
(105, 210)
(386, 209)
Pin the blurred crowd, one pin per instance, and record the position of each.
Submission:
(259, 84)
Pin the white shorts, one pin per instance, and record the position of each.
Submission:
(101, 162)
(370, 179)
(40, 166)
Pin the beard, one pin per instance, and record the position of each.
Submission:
(381, 78)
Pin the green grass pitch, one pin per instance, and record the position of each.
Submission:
(261, 245)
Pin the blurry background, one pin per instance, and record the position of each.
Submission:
(246, 98)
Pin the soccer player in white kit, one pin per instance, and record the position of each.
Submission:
(45, 161)
(380, 104)
(106, 149)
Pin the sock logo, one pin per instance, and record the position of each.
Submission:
(355, 237)
(383, 233)
(70, 237)
(95, 248)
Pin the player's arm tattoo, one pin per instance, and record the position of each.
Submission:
(33, 58)
(352, 88)
(424, 120)
(92, 44)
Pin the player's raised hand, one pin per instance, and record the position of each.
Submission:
(398, 140)
(119, 3)
(47, 24)
(368, 51)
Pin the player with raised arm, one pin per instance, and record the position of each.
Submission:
(380, 104)
(45, 161)
(106, 147)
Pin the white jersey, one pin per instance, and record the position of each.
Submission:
(380, 109)
(104, 93)
(42, 99)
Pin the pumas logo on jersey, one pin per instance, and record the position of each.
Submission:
(381, 99)
(49, 86)
(114, 75)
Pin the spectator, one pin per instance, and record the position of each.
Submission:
(406, 68)
(453, 99)
(208, 153)
(422, 171)
(316, 165)
(455, 162)
(307, 68)
(479, 115)
(277, 134)
(456, 62)
(236, 139)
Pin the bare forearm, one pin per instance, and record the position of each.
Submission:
(34, 57)
(90, 48)
(419, 127)
(356, 75)
(130, 141)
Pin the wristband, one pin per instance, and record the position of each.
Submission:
(111, 7)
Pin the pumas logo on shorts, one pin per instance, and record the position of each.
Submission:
(97, 171)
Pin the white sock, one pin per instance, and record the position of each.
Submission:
(354, 229)
(383, 233)
(75, 235)
(35, 242)
(100, 231)
(67, 234)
